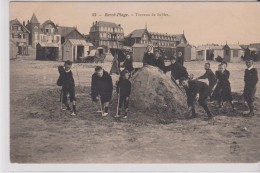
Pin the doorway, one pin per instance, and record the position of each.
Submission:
(80, 52)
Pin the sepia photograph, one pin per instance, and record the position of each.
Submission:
(134, 82)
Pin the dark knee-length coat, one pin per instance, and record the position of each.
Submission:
(222, 91)
(102, 86)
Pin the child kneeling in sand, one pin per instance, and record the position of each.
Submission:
(123, 89)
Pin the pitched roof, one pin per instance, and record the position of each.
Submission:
(34, 19)
(255, 45)
(179, 37)
(253, 49)
(79, 42)
(108, 24)
(243, 46)
(63, 30)
(16, 21)
(234, 46)
(136, 33)
(212, 47)
(47, 22)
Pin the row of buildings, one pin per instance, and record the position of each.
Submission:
(54, 42)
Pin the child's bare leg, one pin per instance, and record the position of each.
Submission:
(74, 105)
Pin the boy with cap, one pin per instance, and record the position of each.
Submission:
(251, 79)
(123, 88)
(101, 85)
(66, 80)
(196, 89)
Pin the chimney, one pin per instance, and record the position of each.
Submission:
(23, 23)
(27, 21)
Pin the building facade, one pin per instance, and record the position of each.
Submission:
(209, 52)
(34, 27)
(232, 53)
(19, 34)
(143, 36)
(46, 32)
(69, 33)
(106, 34)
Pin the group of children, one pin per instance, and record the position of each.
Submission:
(219, 88)
(101, 89)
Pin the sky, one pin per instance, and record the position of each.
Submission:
(202, 22)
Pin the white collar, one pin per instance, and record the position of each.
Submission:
(250, 68)
(68, 70)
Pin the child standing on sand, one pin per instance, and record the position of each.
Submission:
(123, 89)
(66, 80)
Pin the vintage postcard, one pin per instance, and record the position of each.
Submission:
(134, 82)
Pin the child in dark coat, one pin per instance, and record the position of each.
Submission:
(149, 57)
(210, 76)
(159, 62)
(222, 91)
(196, 89)
(251, 79)
(101, 85)
(66, 80)
(123, 88)
(128, 64)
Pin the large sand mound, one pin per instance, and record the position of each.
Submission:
(154, 90)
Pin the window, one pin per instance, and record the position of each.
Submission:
(35, 28)
(200, 53)
(36, 35)
(235, 53)
(57, 39)
(19, 28)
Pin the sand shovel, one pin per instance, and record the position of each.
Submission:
(101, 109)
(61, 95)
(117, 107)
